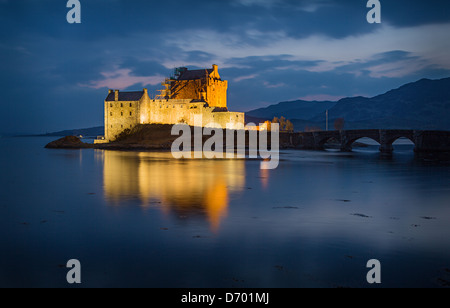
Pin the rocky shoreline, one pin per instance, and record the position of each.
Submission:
(69, 142)
(142, 137)
(73, 142)
(158, 137)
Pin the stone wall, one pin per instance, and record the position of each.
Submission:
(174, 111)
(171, 111)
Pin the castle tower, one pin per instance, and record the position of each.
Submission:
(204, 84)
(122, 111)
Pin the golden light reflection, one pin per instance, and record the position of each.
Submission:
(264, 176)
(183, 187)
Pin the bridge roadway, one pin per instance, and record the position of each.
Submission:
(424, 141)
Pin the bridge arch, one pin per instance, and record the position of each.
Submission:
(394, 139)
(347, 146)
(324, 141)
(321, 138)
(423, 140)
(403, 144)
(388, 137)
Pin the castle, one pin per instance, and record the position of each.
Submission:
(186, 96)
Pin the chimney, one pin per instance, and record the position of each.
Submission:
(215, 68)
(116, 95)
(110, 91)
(145, 91)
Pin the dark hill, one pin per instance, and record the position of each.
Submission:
(87, 132)
(424, 104)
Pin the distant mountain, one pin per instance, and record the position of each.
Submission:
(424, 104)
(86, 132)
(298, 109)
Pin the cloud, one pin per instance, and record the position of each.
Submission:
(270, 50)
(121, 79)
(238, 79)
(274, 85)
(303, 5)
(428, 43)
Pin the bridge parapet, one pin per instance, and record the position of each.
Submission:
(424, 141)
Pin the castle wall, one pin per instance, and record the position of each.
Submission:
(225, 119)
(164, 111)
(183, 111)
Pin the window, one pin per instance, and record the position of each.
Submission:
(110, 113)
(121, 126)
(111, 126)
(121, 104)
(110, 105)
(121, 113)
(131, 104)
(131, 113)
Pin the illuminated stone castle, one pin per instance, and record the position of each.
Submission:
(185, 97)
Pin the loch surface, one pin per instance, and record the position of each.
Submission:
(144, 219)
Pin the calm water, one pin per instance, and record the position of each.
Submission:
(147, 220)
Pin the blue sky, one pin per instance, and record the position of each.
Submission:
(55, 75)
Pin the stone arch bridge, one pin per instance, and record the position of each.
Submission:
(424, 141)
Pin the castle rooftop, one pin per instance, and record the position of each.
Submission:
(183, 73)
(124, 96)
(195, 74)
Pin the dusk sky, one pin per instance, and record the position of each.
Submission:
(55, 75)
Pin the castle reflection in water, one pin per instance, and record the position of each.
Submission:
(184, 187)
